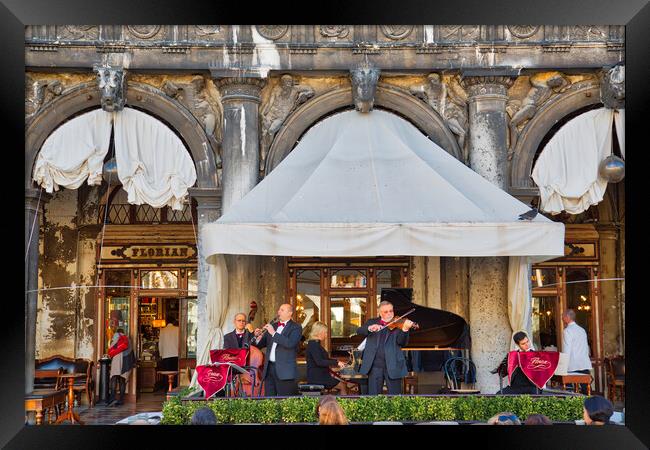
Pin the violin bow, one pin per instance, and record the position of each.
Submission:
(395, 319)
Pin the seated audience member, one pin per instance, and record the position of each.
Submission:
(538, 419)
(597, 410)
(203, 416)
(330, 412)
(504, 418)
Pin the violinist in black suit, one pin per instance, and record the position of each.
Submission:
(241, 336)
(281, 341)
(319, 362)
(383, 359)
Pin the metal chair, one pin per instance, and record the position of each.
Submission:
(458, 370)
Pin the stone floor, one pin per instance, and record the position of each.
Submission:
(107, 415)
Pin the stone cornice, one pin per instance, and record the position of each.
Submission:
(206, 198)
(493, 82)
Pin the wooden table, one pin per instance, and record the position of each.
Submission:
(170, 376)
(574, 378)
(70, 414)
(44, 399)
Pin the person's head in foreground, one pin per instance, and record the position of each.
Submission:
(330, 412)
(538, 419)
(203, 416)
(597, 410)
(504, 418)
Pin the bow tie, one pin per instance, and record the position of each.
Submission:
(281, 324)
(239, 334)
(382, 323)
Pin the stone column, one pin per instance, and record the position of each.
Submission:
(488, 291)
(240, 173)
(33, 207)
(208, 210)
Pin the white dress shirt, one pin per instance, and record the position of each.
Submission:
(168, 342)
(576, 347)
(275, 344)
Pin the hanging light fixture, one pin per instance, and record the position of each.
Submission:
(612, 169)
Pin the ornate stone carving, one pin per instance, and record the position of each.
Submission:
(448, 103)
(240, 88)
(272, 32)
(486, 85)
(283, 100)
(543, 86)
(112, 85)
(364, 84)
(143, 31)
(77, 32)
(207, 29)
(588, 32)
(612, 87)
(523, 31)
(38, 93)
(339, 31)
(459, 32)
(194, 96)
(396, 32)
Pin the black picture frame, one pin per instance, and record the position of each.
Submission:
(17, 13)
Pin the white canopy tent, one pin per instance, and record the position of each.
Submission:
(370, 185)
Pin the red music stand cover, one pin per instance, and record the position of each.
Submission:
(538, 367)
(212, 378)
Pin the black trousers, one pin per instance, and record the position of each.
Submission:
(170, 364)
(273, 386)
(376, 379)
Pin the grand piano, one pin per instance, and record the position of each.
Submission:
(442, 334)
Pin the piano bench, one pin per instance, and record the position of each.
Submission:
(311, 389)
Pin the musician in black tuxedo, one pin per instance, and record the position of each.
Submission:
(519, 382)
(281, 341)
(383, 359)
(319, 362)
(240, 337)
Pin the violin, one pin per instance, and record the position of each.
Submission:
(398, 322)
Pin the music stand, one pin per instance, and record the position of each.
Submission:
(230, 384)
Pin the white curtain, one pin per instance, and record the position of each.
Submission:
(217, 305)
(567, 169)
(152, 162)
(519, 296)
(619, 122)
(74, 152)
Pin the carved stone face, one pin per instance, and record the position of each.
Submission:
(364, 85)
(111, 85)
(286, 81)
(612, 88)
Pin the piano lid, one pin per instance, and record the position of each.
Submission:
(438, 328)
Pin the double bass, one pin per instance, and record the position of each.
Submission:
(254, 363)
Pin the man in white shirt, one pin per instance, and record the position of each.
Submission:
(168, 346)
(575, 344)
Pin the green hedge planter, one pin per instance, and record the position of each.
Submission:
(374, 409)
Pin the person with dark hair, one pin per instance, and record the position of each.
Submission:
(122, 361)
(538, 419)
(203, 416)
(597, 410)
(519, 383)
(168, 346)
(576, 346)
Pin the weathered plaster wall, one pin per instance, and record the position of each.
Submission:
(454, 280)
(56, 323)
(273, 287)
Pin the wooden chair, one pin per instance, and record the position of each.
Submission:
(616, 377)
(51, 379)
(85, 384)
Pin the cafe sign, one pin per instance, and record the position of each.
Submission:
(149, 252)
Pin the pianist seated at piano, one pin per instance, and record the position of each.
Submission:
(319, 364)
(519, 383)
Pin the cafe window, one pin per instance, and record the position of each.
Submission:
(192, 283)
(191, 326)
(159, 279)
(326, 290)
(121, 212)
(579, 298)
(545, 322)
(117, 304)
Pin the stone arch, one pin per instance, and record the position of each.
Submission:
(141, 96)
(386, 97)
(580, 95)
